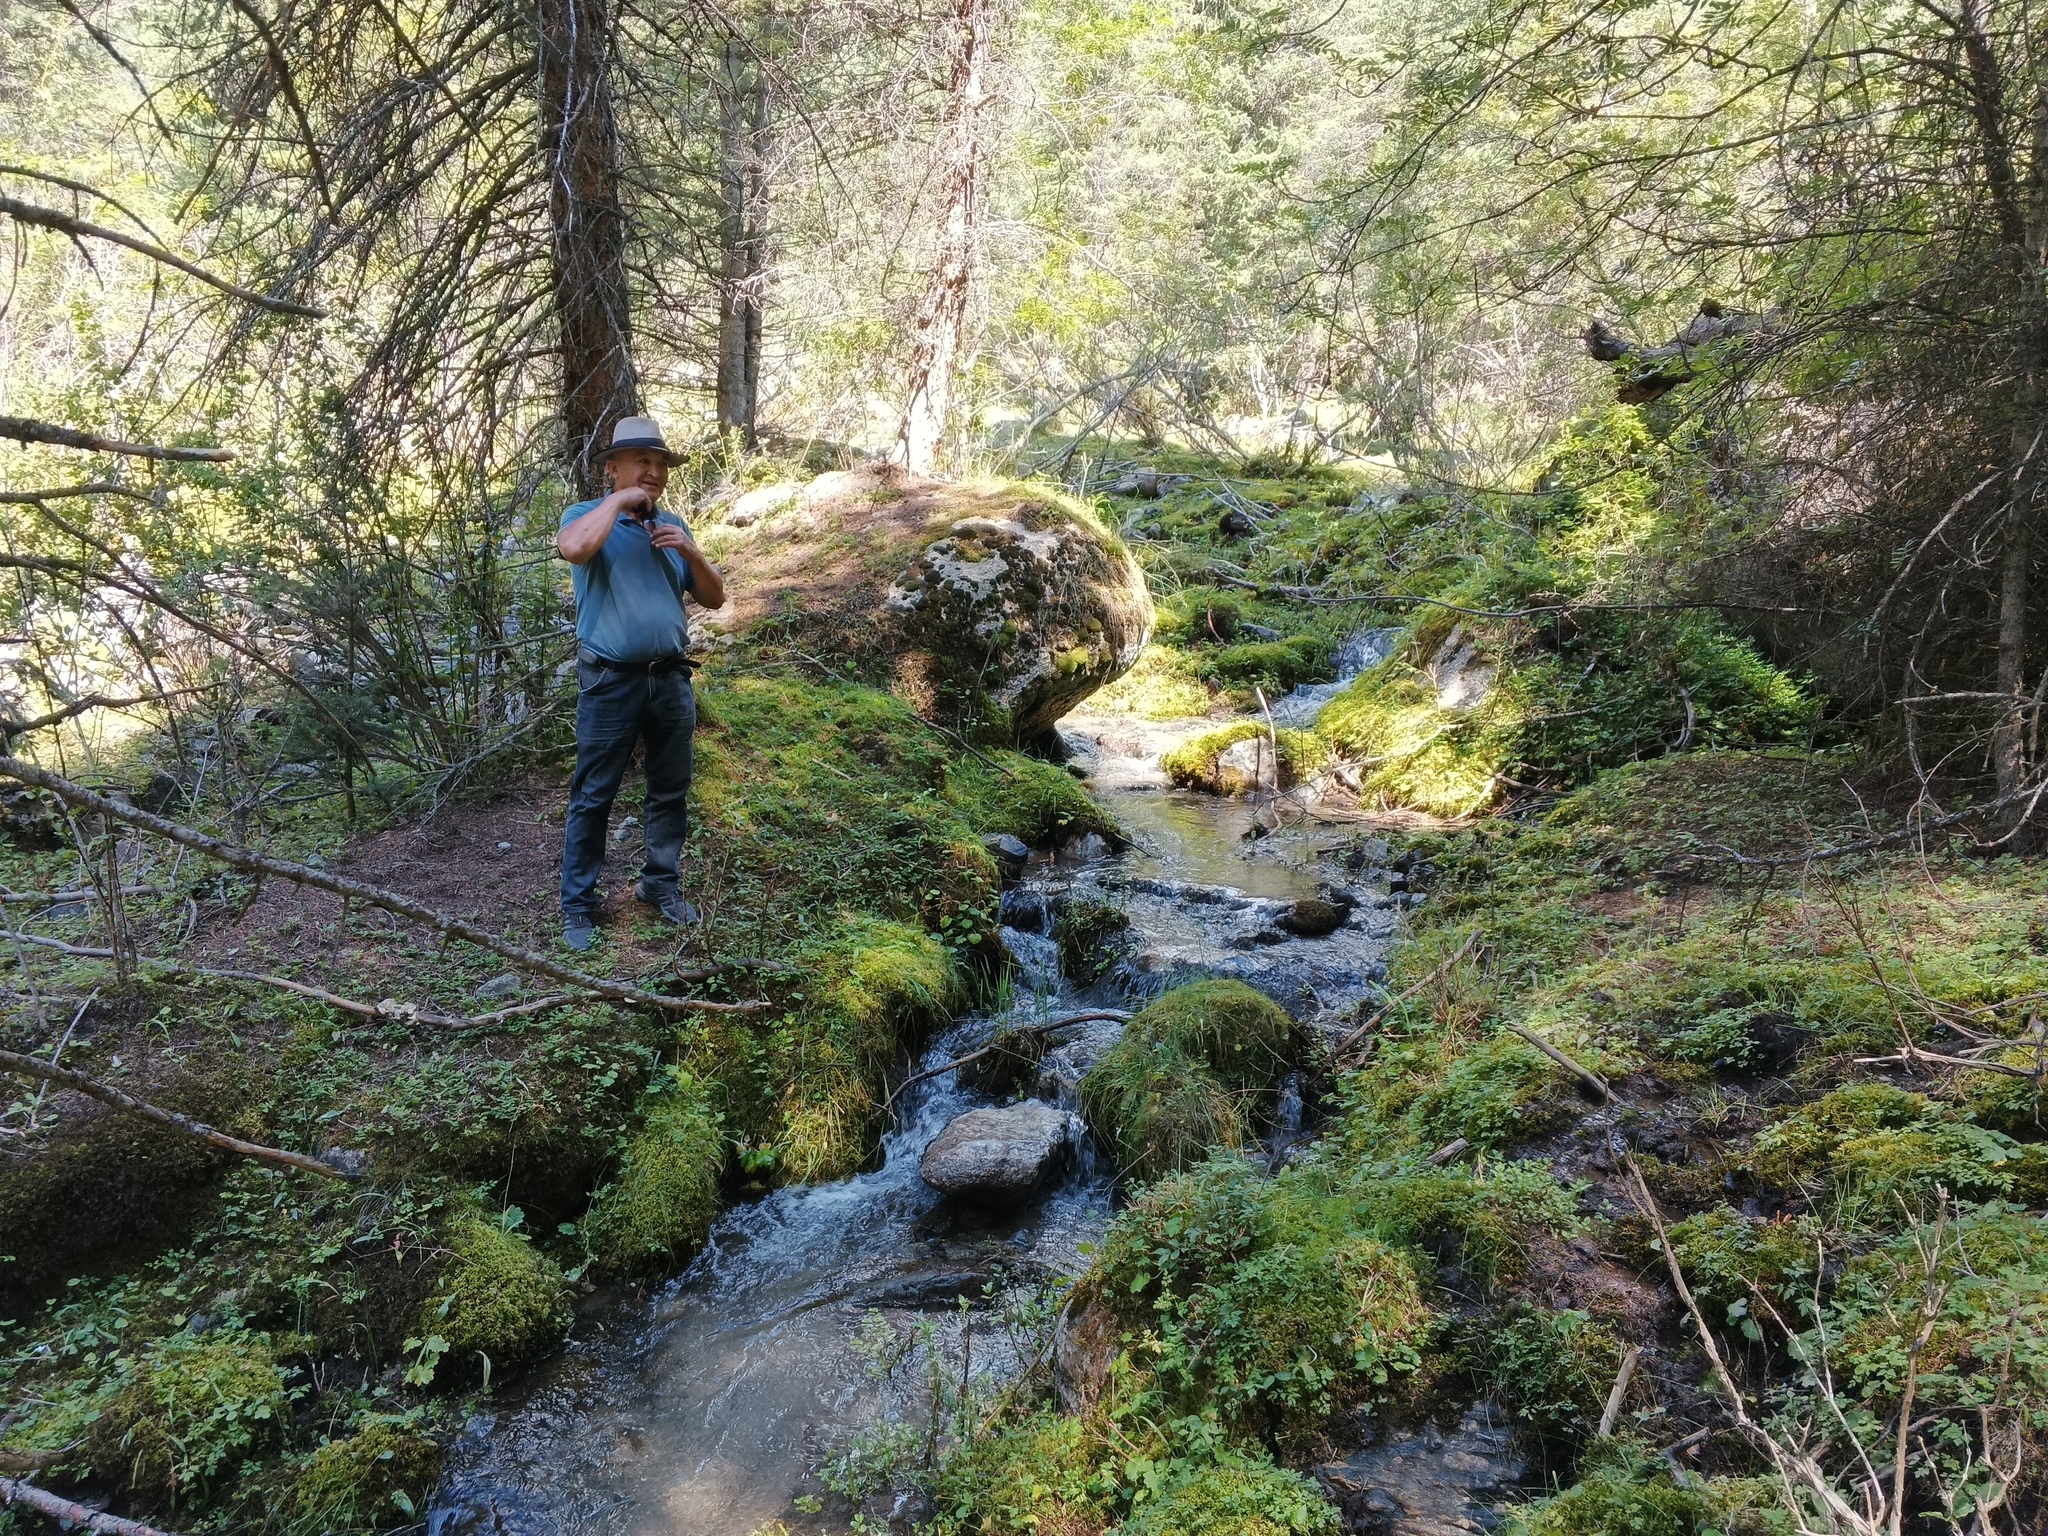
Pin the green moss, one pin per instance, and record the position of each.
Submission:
(1043, 1475)
(1415, 753)
(1550, 1368)
(876, 987)
(369, 1481)
(1269, 1297)
(499, 1302)
(659, 1207)
(1192, 764)
(1726, 1257)
(1086, 931)
(1628, 1499)
(1024, 796)
(1234, 1495)
(188, 1412)
(1486, 1220)
(1872, 1139)
(1276, 666)
(1187, 1075)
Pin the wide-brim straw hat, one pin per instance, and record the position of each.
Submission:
(639, 432)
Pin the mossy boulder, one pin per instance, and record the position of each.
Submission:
(368, 1481)
(189, 1411)
(1238, 759)
(659, 1207)
(1188, 1075)
(499, 1301)
(995, 606)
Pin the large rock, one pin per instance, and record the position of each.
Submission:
(996, 605)
(1001, 1156)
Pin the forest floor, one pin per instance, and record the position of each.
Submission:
(223, 1346)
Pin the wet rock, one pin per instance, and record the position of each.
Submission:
(1026, 910)
(1084, 849)
(1010, 852)
(499, 988)
(1247, 767)
(1001, 1156)
(1312, 917)
(1427, 1483)
(1462, 680)
(939, 1290)
(1084, 1346)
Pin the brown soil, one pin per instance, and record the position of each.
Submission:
(495, 863)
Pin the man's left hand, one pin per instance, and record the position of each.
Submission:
(669, 536)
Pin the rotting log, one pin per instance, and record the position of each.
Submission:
(249, 860)
(32, 1070)
(14, 1491)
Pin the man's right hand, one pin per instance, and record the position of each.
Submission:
(633, 498)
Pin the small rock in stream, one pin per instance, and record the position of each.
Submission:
(1010, 852)
(1311, 917)
(1001, 1156)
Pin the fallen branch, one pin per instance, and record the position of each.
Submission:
(1622, 1378)
(1320, 598)
(86, 894)
(1584, 1074)
(29, 1068)
(1116, 1014)
(355, 890)
(15, 1491)
(1722, 854)
(386, 1010)
(1447, 1151)
(25, 430)
(63, 492)
(1392, 1003)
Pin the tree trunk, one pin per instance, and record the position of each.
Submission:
(942, 316)
(742, 238)
(2020, 204)
(580, 146)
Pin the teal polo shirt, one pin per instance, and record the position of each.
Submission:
(629, 595)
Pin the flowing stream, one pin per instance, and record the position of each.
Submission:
(704, 1408)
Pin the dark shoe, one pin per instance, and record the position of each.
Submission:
(579, 934)
(673, 908)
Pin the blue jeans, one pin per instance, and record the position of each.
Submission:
(616, 710)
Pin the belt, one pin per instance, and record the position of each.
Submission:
(661, 666)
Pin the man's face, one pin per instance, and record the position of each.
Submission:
(641, 468)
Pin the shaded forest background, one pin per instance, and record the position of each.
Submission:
(404, 261)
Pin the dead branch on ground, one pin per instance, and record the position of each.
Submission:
(31, 1070)
(355, 890)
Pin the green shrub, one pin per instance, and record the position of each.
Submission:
(369, 1481)
(1185, 1075)
(1724, 1255)
(1268, 1296)
(499, 1301)
(1551, 1369)
(1084, 929)
(1038, 1476)
(1233, 1495)
(1496, 1094)
(1625, 1498)
(189, 1411)
(659, 1207)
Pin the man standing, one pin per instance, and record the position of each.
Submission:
(633, 564)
